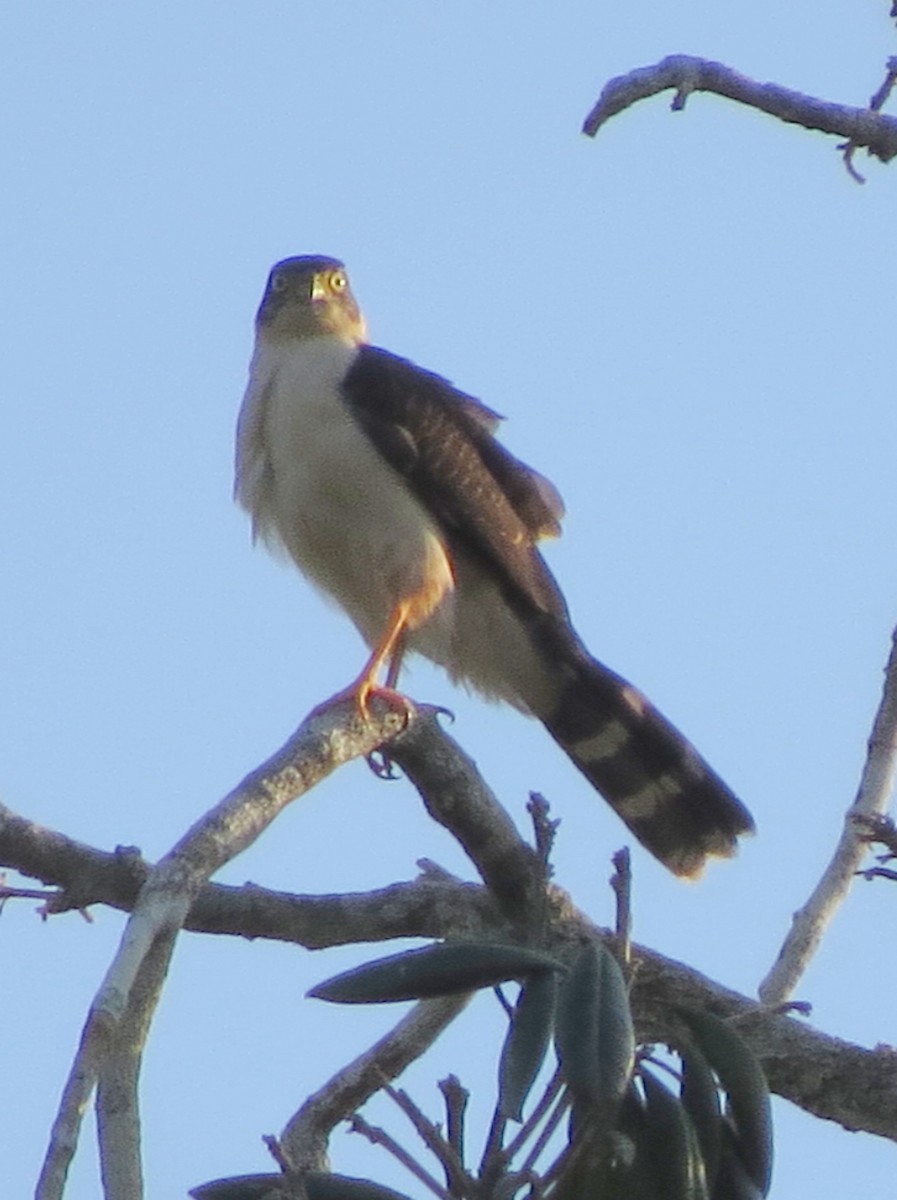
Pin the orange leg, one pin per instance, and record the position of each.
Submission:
(378, 760)
(407, 615)
(398, 654)
(389, 650)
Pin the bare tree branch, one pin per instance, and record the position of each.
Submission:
(452, 789)
(834, 1079)
(306, 1135)
(841, 1082)
(826, 1076)
(121, 1012)
(422, 908)
(858, 126)
(458, 798)
(876, 784)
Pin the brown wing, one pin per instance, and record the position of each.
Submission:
(441, 442)
(495, 507)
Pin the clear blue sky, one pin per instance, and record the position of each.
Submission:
(689, 323)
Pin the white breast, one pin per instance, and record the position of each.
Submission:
(316, 487)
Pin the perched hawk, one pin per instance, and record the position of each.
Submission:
(387, 488)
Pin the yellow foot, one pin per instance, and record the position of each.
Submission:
(362, 693)
(367, 690)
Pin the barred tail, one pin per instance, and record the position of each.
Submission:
(653, 778)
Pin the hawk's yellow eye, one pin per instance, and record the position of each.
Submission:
(338, 281)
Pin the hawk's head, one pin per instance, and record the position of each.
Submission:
(307, 297)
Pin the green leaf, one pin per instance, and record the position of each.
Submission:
(319, 1185)
(594, 1036)
(322, 1185)
(578, 1179)
(616, 1166)
(744, 1083)
(526, 1043)
(635, 1181)
(672, 1144)
(242, 1187)
(700, 1096)
(733, 1181)
(438, 970)
(628, 1173)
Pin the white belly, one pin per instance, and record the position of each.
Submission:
(318, 490)
(316, 487)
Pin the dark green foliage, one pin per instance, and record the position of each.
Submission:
(318, 1185)
(733, 1181)
(700, 1096)
(741, 1078)
(672, 1145)
(526, 1043)
(630, 1136)
(594, 1035)
(439, 970)
(609, 1167)
(650, 1144)
(242, 1187)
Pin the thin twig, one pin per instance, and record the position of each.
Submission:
(276, 1150)
(379, 1137)
(307, 1132)
(876, 783)
(586, 1134)
(16, 893)
(548, 1097)
(432, 1138)
(876, 103)
(881, 97)
(545, 834)
(547, 1132)
(506, 1006)
(544, 829)
(456, 1098)
(621, 882)
(878, 828)
(878, 873)
(492, 1159)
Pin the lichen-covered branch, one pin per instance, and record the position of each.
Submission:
(860, 127)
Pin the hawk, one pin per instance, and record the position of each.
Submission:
(387, 488)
